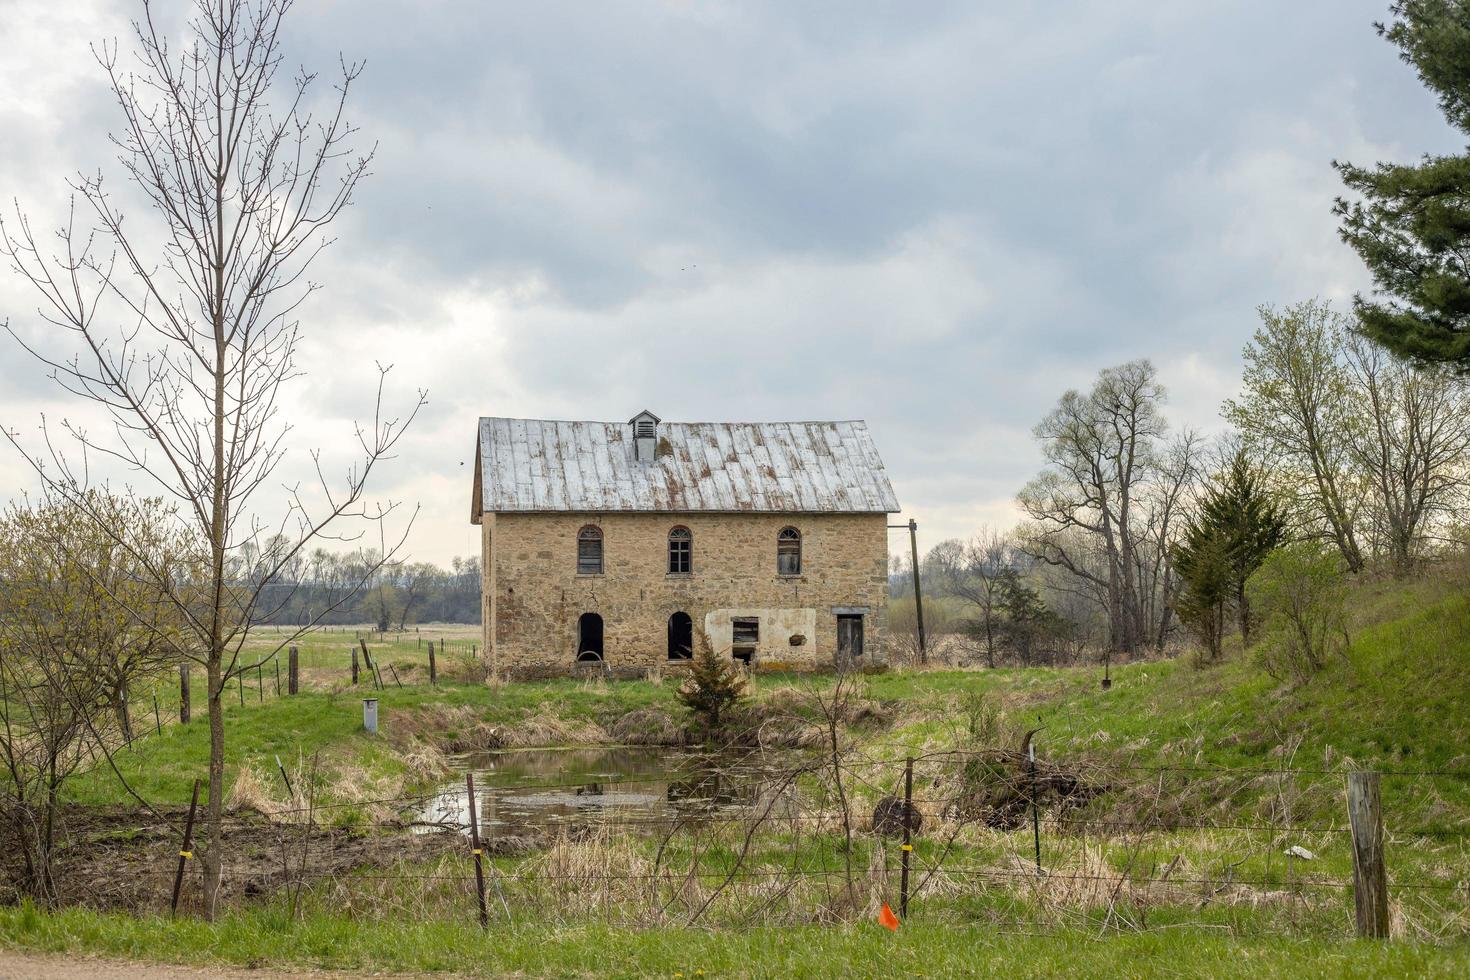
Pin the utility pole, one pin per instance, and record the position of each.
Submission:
(913, 528)
(918, 595)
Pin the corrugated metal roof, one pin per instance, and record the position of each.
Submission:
(813, 467)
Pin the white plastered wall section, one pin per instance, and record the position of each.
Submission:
(778, 628)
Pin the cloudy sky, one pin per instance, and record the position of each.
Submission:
(933, 216)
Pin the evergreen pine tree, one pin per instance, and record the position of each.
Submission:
(1202, 560)
(1412, 225)
(1251, 524)
(714, 685)
(1236, 527)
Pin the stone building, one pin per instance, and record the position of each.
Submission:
(615, 545)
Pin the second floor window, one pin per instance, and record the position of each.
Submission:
(589, 551)
(681, 547)
(788, 552)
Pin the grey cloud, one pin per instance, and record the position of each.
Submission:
(934, 216)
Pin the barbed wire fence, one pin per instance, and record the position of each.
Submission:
(996, 838)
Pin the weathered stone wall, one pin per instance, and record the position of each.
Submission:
(534, 596)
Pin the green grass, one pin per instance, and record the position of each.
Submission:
(163, 766)
(1396, 700)
(266, 937)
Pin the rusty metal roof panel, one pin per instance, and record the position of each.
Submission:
(797, 467)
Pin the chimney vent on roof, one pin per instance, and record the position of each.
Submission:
(645, 436)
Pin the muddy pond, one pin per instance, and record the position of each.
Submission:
(520, 791)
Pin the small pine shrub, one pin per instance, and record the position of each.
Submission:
(714, 685)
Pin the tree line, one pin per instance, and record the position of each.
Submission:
(1135, 536)
(1347, 450)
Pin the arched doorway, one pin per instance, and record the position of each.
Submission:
(681, 636)
(589, 638)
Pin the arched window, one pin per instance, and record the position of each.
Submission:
(589, 550)
(681, 636)
(589, 638)
(681, 551)
(788, 552)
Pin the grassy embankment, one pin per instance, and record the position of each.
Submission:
(1396, 701)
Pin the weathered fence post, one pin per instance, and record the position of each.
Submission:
(433, 669)
(293, 671)
(186, 851)
(908, 844)
(1370, 876)
(1035, 817)
(184, 694)
(469, 784)
(354, 666)
(367, 658)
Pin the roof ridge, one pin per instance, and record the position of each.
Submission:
(515, 418)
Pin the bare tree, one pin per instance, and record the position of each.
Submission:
(187, 325)
(976, 571)
(1101, 449)
(1412, 444)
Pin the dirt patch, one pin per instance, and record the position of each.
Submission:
(124, 858)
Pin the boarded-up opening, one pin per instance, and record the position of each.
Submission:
(745, 637)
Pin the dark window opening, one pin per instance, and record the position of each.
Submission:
(589, 551)
(788, 552)
(589, 638)
(681, 551)
(681, 636)
(745, 636)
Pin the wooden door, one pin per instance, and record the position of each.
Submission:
(849, 637)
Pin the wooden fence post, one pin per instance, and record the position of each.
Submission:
(184, 693)
(354, 666)
(292, 671)
(433, 670)
(908, 843)
(469, 783)
(1370, 876)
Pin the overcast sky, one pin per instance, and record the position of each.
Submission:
(936, 217)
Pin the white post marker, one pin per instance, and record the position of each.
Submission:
(370, 715)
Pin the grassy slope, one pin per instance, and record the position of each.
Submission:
(1397, 700)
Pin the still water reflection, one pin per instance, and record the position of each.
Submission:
(527, 790)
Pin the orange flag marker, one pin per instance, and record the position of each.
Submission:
(887, 919)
